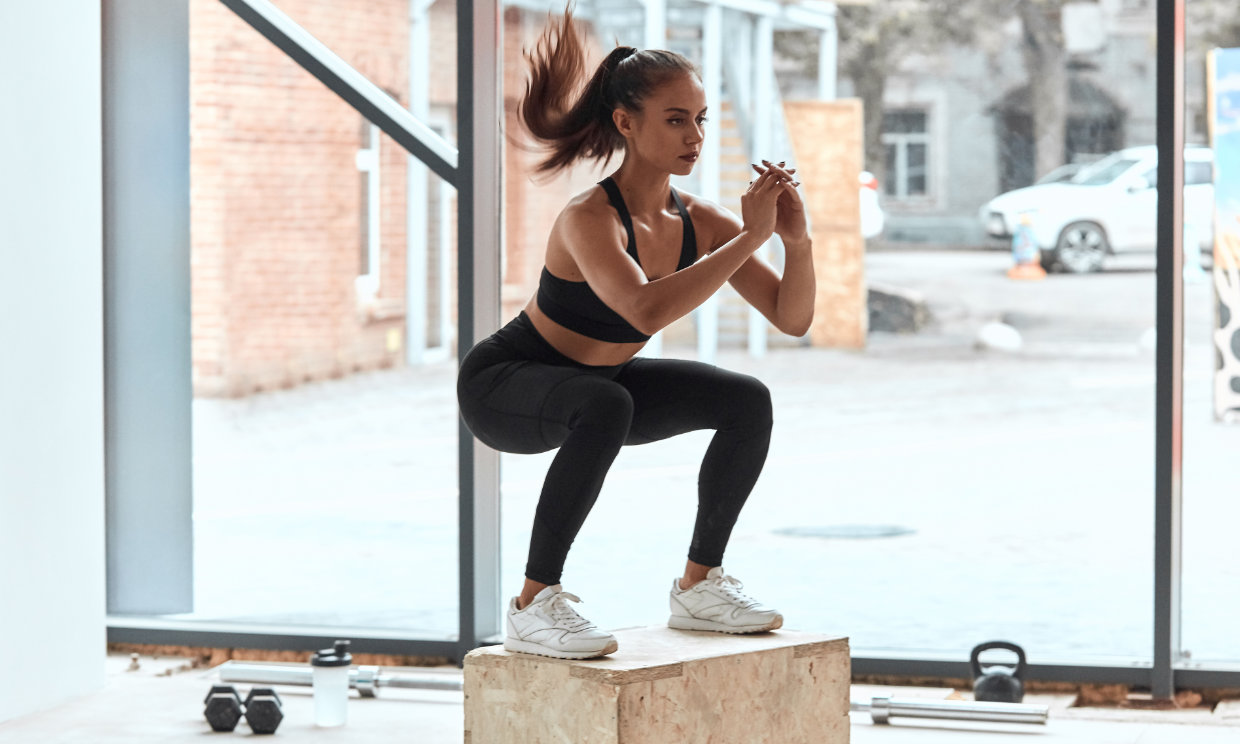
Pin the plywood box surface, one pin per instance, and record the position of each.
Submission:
(665, 686)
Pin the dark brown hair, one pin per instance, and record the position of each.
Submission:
(571, 129)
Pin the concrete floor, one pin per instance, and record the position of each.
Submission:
(162, 702)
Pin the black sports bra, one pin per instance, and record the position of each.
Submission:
(575, 306)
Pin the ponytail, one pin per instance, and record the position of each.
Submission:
(580, 129)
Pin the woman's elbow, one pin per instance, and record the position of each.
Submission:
(649, 317)
(797, 328)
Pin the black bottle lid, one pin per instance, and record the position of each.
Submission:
(333, 657)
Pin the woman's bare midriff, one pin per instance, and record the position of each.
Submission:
(577, 347)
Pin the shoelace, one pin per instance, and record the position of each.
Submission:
(732, 587)
(563, 614)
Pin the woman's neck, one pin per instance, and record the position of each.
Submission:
(645, 190)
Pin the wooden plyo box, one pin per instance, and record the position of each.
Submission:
(665, 686)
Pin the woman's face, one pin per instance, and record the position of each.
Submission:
(669, 129)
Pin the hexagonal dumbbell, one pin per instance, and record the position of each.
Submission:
(222, 707)
(263, 710)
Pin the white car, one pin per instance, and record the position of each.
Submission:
(1107, 207)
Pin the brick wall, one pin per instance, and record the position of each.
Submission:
(277, 204)
(276, 200)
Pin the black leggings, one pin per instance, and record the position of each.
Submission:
(518, 394)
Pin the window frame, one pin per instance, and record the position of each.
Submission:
(476, 177)
(897, 181)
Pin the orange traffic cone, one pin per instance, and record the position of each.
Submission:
(1026, 257)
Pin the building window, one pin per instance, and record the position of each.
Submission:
(907, 143)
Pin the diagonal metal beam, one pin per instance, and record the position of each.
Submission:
(369, 99)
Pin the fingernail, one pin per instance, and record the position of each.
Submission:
(796, 183)
(766, 162)
(781, 162)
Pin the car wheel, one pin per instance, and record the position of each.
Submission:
(1081, 248)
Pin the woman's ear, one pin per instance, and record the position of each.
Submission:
(624, 121)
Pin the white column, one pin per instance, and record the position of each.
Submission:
(708, 162)
(656, 24)
(479, 215)
(655, 38)
(447, 254)
(416, 199)
(367, 285)
(52, 584)
(828, 54)
(764, 99)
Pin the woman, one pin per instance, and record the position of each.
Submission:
(625, 259)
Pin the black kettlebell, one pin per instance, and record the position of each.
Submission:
(995, 683)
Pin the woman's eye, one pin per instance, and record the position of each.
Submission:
(675, 121)
(702, 120)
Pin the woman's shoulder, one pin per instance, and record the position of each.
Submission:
(588, 205)
(718, 223)
(587, 213)
(705, 209)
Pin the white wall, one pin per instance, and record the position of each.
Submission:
(52, 593)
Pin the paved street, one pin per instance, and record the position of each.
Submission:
(1022, 482)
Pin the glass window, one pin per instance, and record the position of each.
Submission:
(959, 478)
(904, 122)
(1211, 400)
(906, 144)
(325, 434)
(1198, 172)
(1104, 171)
(915, 172)
(949, 482)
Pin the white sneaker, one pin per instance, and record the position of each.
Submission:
(718, 604)
(549, 626)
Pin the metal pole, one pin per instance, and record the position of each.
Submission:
(828, 53)
(712, 79)
(654, 36)
(764, 98)
(478, 47)
(1169, 393)
(417, 200)
(882, 709)
(364, 96)
(367, 680)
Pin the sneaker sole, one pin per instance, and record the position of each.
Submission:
(679, 622)
(525, 647)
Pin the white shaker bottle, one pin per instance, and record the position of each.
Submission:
(331, 684)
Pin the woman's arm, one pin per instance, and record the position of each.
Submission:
(787, 301)
(650, 306)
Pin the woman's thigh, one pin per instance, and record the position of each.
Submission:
(674, 396)
(522, 406)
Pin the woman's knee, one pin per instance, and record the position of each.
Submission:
(750, 401)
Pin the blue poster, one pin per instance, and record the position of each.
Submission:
(1225, 126)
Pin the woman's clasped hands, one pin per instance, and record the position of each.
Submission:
(772, 204)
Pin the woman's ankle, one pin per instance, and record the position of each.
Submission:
(695, 573)
(528, 592)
